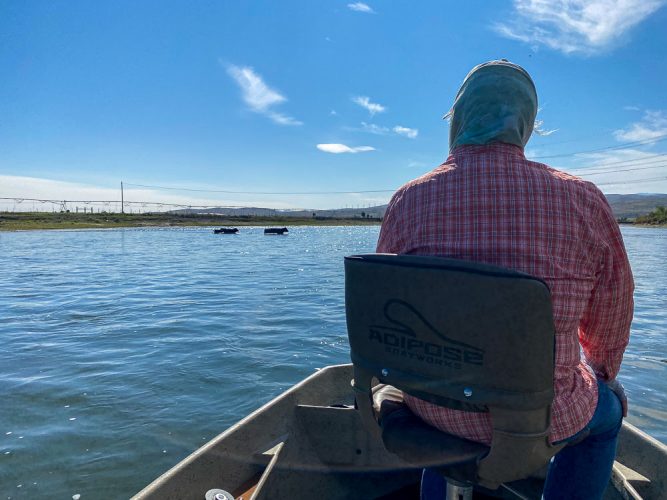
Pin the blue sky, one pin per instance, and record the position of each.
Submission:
(311, 96)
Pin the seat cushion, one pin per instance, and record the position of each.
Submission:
(407, 436)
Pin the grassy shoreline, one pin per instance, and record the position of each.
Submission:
(26, 221)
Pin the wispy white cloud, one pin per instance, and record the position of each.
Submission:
(372, 107)
(256, 93)
(342, 148)
(631, 108)
(259, 97)
(538, 129)
(282, 119)
(374, 129)
(407, 132)
(652, 126)
(584, 26)
(360, 7)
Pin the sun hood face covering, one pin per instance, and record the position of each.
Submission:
(497, 102)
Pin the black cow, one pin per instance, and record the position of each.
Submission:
(276, 230)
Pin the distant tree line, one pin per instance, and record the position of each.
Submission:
(657, 216)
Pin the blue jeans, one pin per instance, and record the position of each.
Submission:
(582, 470)
(579, 471)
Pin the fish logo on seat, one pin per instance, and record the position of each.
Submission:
(400, 339)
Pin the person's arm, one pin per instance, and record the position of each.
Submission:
(389, 239)
(604, 330)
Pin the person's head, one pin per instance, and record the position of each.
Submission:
(497, 102)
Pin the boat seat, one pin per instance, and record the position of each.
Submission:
(409, 437)
(463, 335)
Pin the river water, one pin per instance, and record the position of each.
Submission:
(122, 351)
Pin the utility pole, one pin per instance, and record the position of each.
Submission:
(122, 199)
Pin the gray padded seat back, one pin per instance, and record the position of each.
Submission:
(459, 334)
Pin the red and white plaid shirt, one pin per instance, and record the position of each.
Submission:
(489, 204)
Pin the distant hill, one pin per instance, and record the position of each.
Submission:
(626, 206)
(633, 205)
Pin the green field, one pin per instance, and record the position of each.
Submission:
(22, 221)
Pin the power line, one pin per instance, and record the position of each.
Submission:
(19, 200)
(595, 169)
(108, 202)
(261, 192)
(635, 161)
(581, 174)
(637, 164)
(63, 203)
(635, 181)
(627, 145)
(601, 172)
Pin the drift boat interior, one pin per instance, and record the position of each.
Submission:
(418, 324)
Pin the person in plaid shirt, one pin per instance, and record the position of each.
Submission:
(487, 203)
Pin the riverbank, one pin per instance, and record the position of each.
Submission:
(24, 221)
(641, 224)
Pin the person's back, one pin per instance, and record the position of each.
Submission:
(488, 204)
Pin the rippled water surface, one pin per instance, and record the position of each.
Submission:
(121, 351)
